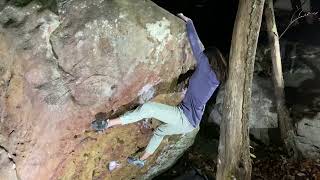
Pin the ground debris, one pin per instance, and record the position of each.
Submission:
(286, 169)
(270, 164)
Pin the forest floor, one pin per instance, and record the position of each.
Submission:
(199, 163)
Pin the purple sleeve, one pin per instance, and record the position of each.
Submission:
(194, 40)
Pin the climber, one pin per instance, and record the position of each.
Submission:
(187, 115)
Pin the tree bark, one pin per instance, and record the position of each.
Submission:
(284, 121)
(234, 154)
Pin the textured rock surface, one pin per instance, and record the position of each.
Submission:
(7, 167)
(262, 116)
(303, 97)
(308, 131)
(58, 72)
(170, 154)
(302, 77)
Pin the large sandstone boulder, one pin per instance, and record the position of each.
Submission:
(58, 72)
(7, 166)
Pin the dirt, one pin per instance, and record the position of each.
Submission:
(271, 163)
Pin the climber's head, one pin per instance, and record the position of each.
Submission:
(218, 63)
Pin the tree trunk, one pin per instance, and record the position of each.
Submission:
(234, 154)
(284, 121)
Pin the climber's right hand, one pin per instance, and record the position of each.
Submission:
(183, 17)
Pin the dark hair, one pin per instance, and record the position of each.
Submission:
(218, 63)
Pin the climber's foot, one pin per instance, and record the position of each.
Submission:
(136, 162)
(100, 124)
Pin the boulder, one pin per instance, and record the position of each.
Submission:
(263, 117)
(7, 167)
(97, 57)
(303, 97)
(308, 136)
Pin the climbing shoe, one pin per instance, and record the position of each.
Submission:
(100, 124)
(136, 162)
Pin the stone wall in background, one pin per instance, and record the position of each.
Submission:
(301, 64)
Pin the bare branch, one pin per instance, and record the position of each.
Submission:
(296, 19)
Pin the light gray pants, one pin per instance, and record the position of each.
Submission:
(175, 122)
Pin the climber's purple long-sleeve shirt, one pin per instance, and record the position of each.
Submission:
(202, 83)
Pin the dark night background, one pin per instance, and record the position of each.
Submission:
(214, 21)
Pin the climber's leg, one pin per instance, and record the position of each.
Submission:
(165, 113)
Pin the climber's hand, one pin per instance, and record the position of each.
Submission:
(183, 17)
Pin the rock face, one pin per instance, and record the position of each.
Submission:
(7, 167)
(263, 118)
(303, 97)
(170, 154)
(302, 77)
(58, 72)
